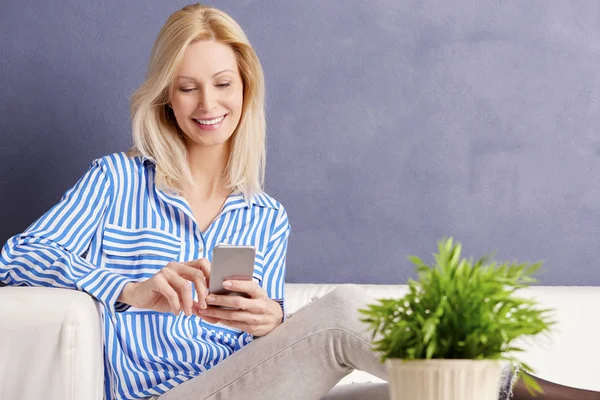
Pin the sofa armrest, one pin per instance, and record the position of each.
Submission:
(50, 345)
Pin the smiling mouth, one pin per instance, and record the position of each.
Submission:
(210, 121)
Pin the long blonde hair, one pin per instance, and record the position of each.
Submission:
(155, 132)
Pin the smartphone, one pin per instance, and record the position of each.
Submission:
(231, 263)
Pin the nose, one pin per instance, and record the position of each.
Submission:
(207, 100)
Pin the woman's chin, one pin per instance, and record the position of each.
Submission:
(207, 142)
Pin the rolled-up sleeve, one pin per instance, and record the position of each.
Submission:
(49, 252)
(275, 260)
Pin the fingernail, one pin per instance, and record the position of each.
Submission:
(211, 299)
(226, 284)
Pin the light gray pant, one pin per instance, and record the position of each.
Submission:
(302, 359)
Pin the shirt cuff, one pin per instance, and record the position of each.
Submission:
(282, 304)
(106, 287)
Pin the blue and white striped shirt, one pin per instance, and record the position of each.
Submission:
(115, 226)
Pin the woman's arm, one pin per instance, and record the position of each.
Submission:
(275, 260)
(49, 252)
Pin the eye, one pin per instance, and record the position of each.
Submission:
(223, 85)
(186, 90)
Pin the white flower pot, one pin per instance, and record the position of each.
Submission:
(444, 379)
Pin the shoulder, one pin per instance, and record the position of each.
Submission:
(122, 171)
(120, 164)
(267, 201)
(280, 223)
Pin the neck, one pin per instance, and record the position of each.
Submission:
(207, 166)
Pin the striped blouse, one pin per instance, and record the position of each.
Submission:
(115, 226)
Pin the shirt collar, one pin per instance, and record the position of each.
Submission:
(237, 200)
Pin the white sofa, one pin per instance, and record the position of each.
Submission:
(51, 345)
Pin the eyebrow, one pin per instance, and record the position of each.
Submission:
(214, 75)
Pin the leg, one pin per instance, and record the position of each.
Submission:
(301, 359)
(359, 391)
(553, 391)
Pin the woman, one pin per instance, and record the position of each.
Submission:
(138, 230)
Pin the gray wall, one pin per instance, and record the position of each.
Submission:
(392, 123)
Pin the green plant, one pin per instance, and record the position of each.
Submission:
(459, 309)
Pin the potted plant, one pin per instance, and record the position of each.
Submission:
(448, 337)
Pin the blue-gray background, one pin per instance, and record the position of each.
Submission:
(392, 123)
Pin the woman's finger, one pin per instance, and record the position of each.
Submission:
(232, 315)
(196, 276)
(182, 287)
(201, 291)
(164, 287)
(211, 320)
(250, 287)
(236, 302)
(200, 270)
(201, 264)
(243, 326)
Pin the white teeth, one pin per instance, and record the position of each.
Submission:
(210, 121)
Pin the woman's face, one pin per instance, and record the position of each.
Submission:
(207, 95)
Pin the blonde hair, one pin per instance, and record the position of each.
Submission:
(156, 134)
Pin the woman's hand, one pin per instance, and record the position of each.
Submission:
(169, 290)
(257, 315)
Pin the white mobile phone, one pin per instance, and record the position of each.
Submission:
(231, 263)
